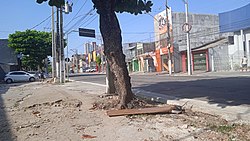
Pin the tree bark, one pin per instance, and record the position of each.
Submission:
(111, 33)
(110, 79)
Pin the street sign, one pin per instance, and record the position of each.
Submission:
(67, 60)
(87, 32)
(186, 27)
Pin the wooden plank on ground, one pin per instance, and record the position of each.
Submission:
(153, 110)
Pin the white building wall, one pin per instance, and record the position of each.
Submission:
(236, 51)
(247, 33)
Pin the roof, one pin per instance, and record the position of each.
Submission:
(212, 44)
(235, 20)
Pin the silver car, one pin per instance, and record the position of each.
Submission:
(19, 76)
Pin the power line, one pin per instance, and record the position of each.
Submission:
(79, 21)
(93, 18)
(45, 27)
(75, 14)
(41, 22)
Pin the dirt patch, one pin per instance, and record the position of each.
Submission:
(69, 116)
(190, 125)
(108, 102)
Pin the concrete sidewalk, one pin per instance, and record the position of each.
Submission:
(235, 114)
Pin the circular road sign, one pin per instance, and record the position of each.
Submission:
(186, 27)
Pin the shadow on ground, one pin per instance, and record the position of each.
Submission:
(230, 91)
(5, 130)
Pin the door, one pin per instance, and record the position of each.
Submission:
(200, 62)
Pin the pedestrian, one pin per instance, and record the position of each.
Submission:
(244, 62)
(42, 76)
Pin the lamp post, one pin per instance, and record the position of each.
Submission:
(67, 68)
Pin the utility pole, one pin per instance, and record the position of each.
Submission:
(57, 45)
(188, 40)
(168, 41)
(53, 44)
(61, 51)
(77, 68)
(67, 67)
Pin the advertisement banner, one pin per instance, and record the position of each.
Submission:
(162, 31)
(162, 21)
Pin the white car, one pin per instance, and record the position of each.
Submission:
(90, 70)
(19, 76)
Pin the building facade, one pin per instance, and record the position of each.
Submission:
(236, 24)
(206, 42)
(8, 58)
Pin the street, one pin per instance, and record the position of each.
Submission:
(221, 90)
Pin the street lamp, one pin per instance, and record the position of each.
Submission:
(68, 51)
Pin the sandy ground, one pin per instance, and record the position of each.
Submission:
(40, 111)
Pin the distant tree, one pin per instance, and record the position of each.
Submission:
(98, 62)
(34, 45)
(111, 33)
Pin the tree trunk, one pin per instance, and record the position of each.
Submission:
(111, 33)
(110, 81)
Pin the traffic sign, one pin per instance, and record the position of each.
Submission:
(186, 27)
(87, 32)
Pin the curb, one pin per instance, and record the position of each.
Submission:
(234, 114)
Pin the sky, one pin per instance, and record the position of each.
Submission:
(20, 15)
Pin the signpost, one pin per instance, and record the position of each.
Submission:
(87, 32)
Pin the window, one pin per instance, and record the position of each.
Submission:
(17, 73)
(230, 40)
(244, 46)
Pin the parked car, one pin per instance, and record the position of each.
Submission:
(93, 70)
(90, 70)
(35, 73)
(19, 76)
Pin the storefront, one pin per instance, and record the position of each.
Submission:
(135, 64)
(200, 60)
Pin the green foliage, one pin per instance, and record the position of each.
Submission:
(222, 128)
(98, 60)
(56, 3)
(131, 6)
(35, 45)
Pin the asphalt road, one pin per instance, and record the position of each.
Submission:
(220, 90)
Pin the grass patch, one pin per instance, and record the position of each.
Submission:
(222, 128)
